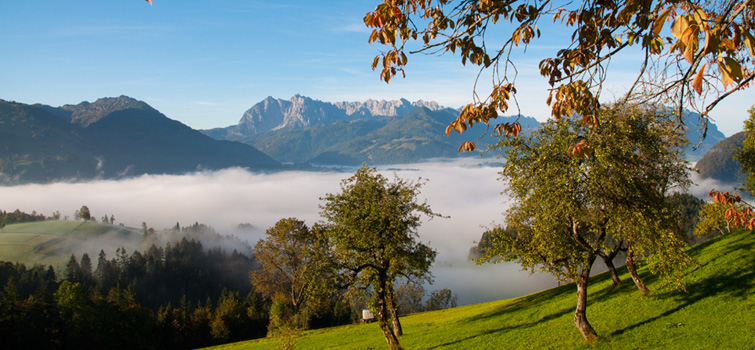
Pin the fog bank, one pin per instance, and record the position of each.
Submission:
(467, 190)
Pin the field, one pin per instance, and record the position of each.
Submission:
(52, 242)
(717, 311)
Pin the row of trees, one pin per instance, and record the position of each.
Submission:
(572, 206)
(594, 181)
(18, 216)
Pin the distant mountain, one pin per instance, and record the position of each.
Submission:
(419, 135)
(713, 136)
(303, 130)
(718, 164)
(301, 112)
(110, 138)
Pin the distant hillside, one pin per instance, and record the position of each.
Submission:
(110, 138)
(718, 162)
(52, 242)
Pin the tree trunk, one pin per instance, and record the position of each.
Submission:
(580, 315)
(633, 272)
(383, 314)
(393, 308)
(611, 268)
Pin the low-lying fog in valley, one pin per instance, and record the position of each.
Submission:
(468, 191)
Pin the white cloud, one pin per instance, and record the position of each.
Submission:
(466, 191)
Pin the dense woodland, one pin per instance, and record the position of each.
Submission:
(179, 296)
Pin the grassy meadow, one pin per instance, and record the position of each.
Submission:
(717, 311)
(50, 242)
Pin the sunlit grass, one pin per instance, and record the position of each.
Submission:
(716, 312)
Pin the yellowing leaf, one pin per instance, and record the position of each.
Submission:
(697, 83)
(678, 27)
(660, 21)
(467, 147)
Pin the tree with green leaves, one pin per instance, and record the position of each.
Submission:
(293, 263)
(728, 210)
(694, 53)
(83, 213)
(746, 156)
(574, 202)
(372, 226)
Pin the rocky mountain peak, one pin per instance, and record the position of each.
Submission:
(86, 113)
(302, 111)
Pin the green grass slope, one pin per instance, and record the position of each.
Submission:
(716, 312)
(52, 242)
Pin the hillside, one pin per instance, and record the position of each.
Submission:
(715, 313)
(718, 164)
(53, 242)
(110, 138)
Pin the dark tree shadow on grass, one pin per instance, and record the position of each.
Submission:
(737, 281)
(504, 329)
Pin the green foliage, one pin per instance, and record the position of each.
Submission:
(714, 313)
(441, 299)
(569, 202)
(714, 221)
(581, 192)
(18, 216)
(294, 268)
(747, 155)
(688, 208)
(372, 227)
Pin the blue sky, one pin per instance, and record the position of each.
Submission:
(205, 62)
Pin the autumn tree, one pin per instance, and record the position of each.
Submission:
(372, 226)
(694, 53)
(728, 210)
(574, 203)
(293, 263)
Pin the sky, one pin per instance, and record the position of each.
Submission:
(205, 62)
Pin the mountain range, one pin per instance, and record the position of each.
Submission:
(110, 138)
(121, 137)
(304, 130)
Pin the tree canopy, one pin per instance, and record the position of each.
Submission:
(293, 262)
(372, 226)
(571, 206)
(695, 53)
